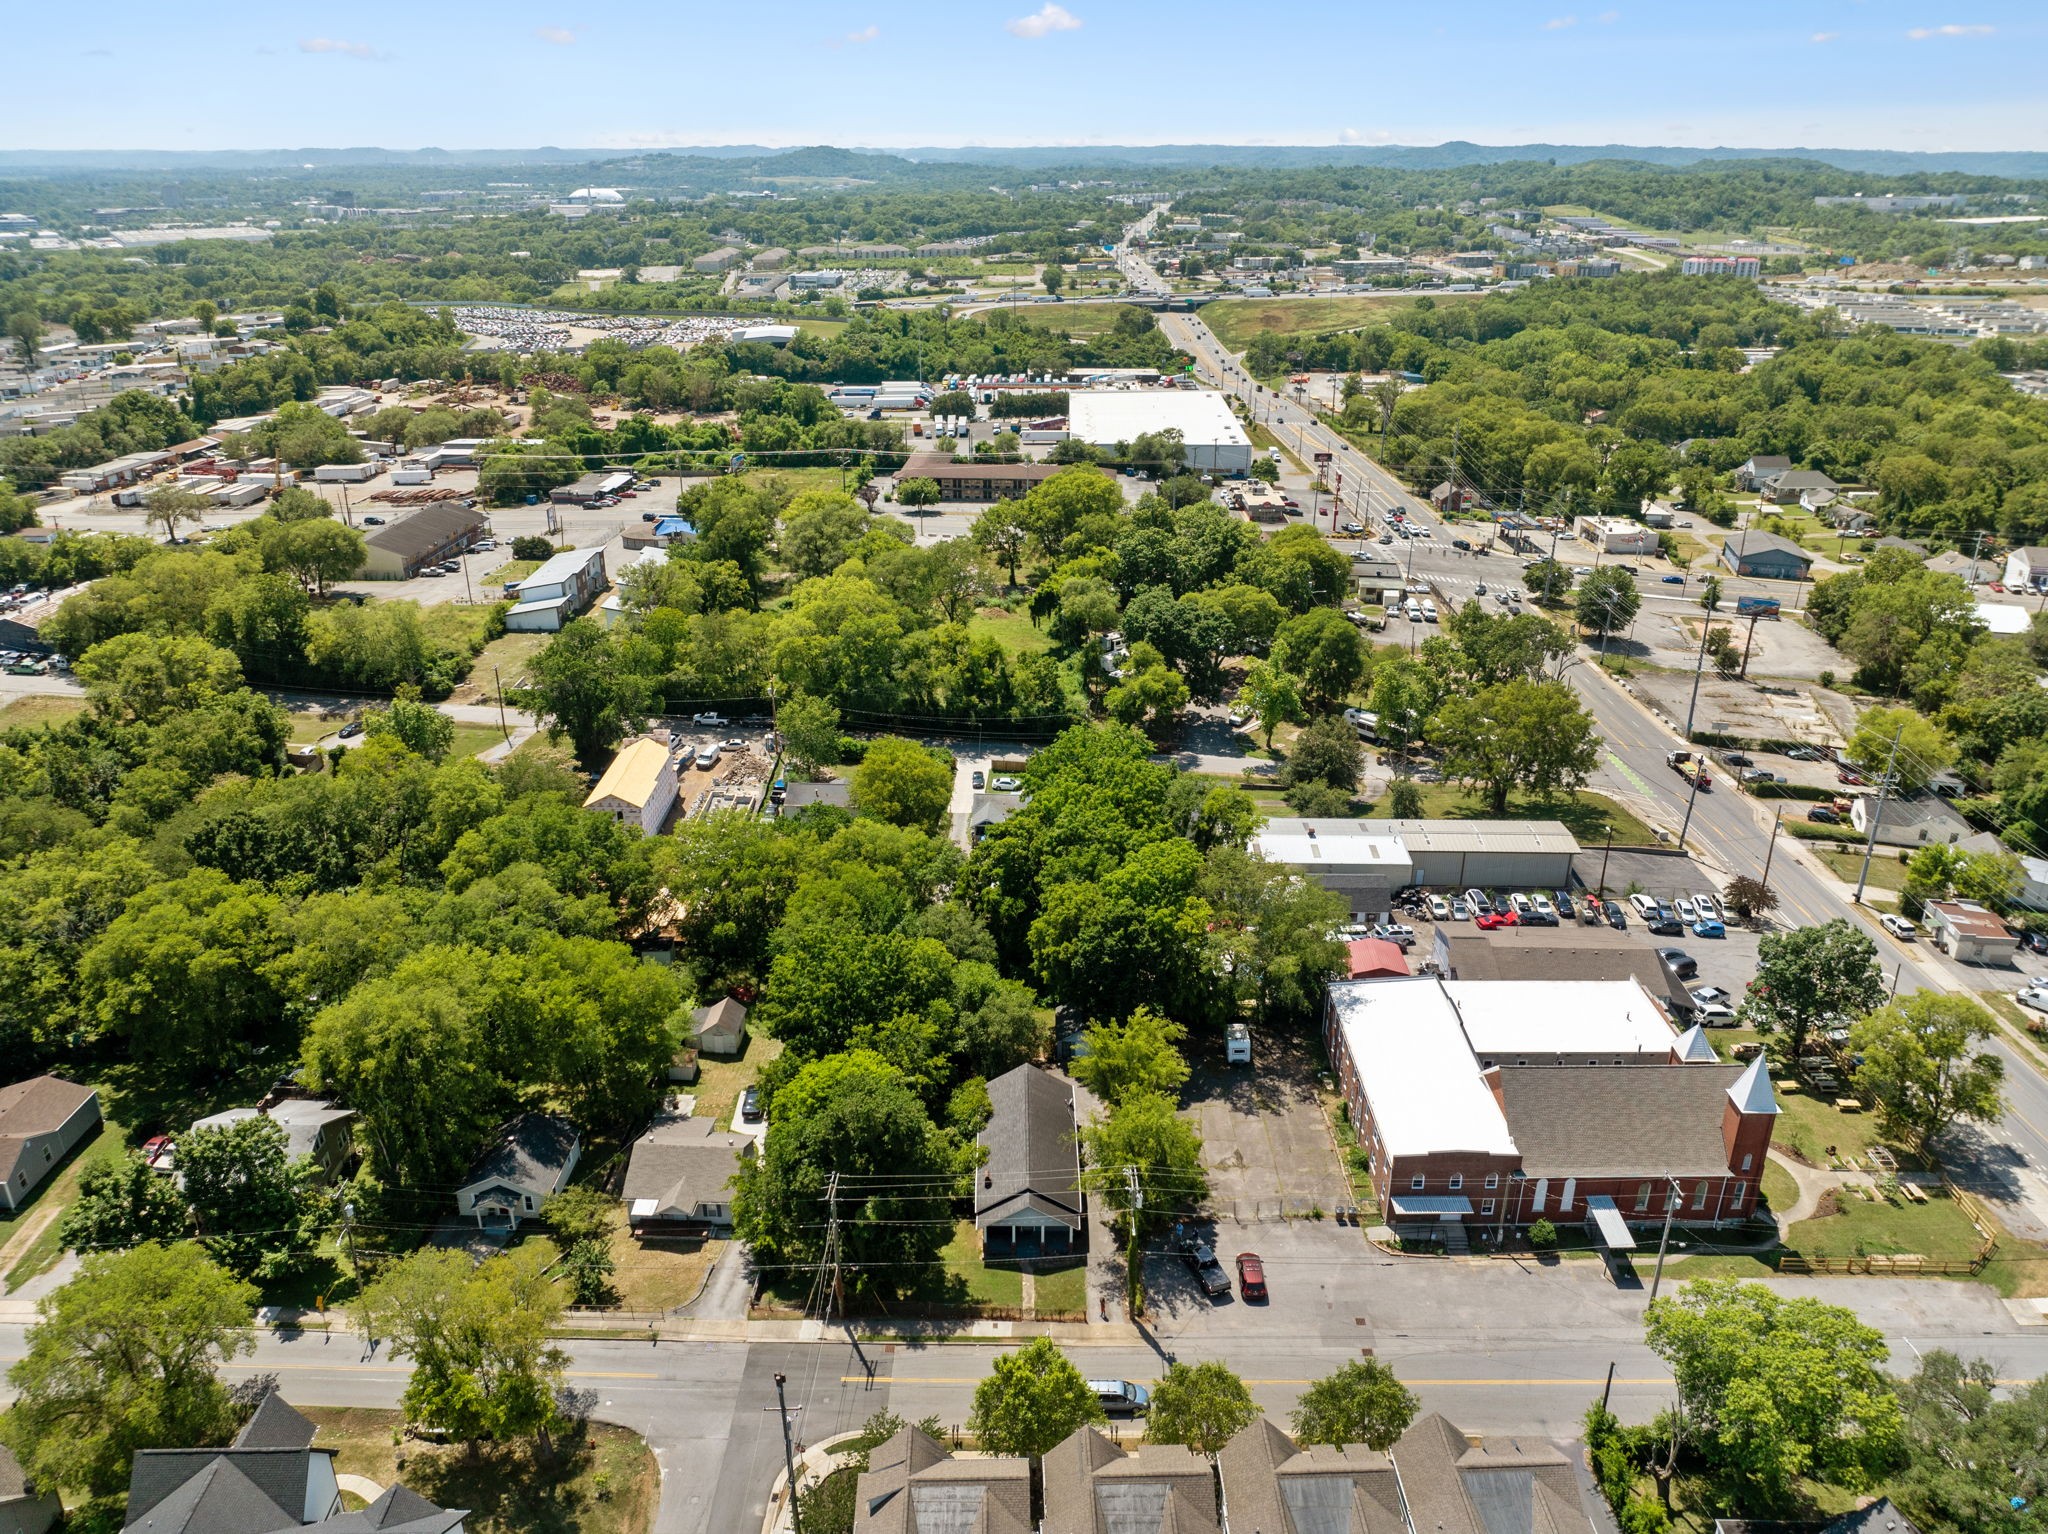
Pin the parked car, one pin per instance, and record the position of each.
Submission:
(2035, 996)
(1664, 924)
(1201, 1260)
(1439, 908)
(1478, 901)
(1683, 908)
(1616, 918)
(1003, 783)
(2033, 942)
(1566, 910)
(1646, 905)
(1682, 964)
(1705, 902)
(1822, 815)
(980, 778)
(351, 730)
(750, 1105)
(373, 521)
(1545, 911)
(1709, 926)
(1898, 926)
(714, 721)
(1251, 1276)
(1492, 919)
(1525, 912)
(1803, 753)
(1736, 759)
(1121, 1398)
(1459, 910)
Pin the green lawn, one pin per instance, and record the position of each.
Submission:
(1064, 1293)
(40, 709)
(720, 1082)
(1780, 1190)
(1237, 321)
(1937, 1230)
(513, 570)
(1586, 815)
(473, 738)
(1013, 630)
(964, 1271)
(1068, 319)
(507, 655)
(1809, 1123)
(1886, 871)
(826, 328)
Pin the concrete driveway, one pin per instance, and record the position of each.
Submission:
(1264, 1141)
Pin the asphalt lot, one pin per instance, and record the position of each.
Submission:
(1264, 1141)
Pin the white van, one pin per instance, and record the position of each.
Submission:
(1646, 906)
(707, 756)
(1237, 1045)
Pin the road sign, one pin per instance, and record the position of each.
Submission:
(1321, 459)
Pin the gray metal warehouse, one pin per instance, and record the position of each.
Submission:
(1368, 859)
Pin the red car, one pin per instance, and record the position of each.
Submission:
(1492, 919)
(1251, 1276)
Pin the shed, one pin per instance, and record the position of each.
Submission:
(1373, 958)
(1766, 556)
(720, 1030)
(1028, 1200)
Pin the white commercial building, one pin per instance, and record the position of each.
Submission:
(1367, 860)
(560, 589)
(1213, 440)
(1618, 535)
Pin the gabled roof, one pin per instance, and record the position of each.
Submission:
(38, 1106)
(633, 774)
(532, 1150)
(399, 1511)
(723, 1019)
(1748, 544)
(1092, 1487)
(1618, 1120)
(1272, 1486)
(1498, 1486)
(425, 530)
(913, 1486)
(1033, 1156)
(274, 1425)
(214, 1495)
(678, 1163)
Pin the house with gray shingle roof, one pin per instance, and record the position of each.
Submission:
(271, 1479)
(41, 1121)
(528, 1163)
(1027, 1198)
(913, 1486)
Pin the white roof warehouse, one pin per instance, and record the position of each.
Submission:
(1209, 430)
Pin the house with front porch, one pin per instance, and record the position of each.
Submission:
(529, 1161)
(1027, 1196)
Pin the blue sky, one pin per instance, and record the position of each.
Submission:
(1903, 74)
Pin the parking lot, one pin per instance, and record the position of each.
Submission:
(1264, 1141)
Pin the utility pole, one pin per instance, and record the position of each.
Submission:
(1132, 1267)
(1699, 770)
(1602, 892)
(1884, 788)
(1699, 670)
(348, 1237)
(835, 1298)
(498, 687)
(1671, 1195)
(788, 1455)
(1771, 847)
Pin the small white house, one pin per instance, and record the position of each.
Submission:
(529, 1163)
(559, 590)
(1965, 931)
(1618, 535)
(2027, 568)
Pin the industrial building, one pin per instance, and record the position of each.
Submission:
(1484, 1106)
(1211, 437)
(427, 537)
(591, 487)
(560, 589)
(1367, 860)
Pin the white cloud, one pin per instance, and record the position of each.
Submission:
(1353, 136)
(335, 45)
(1824, 37)
(1609, 18)
(1559, 23)
(561, 37)
(855, 39)
(1921, 34)
(1044, 21)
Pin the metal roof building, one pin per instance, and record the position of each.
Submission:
(1209, 429)
(1365, 858)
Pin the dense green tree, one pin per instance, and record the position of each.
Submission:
(917, 493)
(1532, 736)
(810, 732)
(1778, 1387)
(1919, 1069)
(258, 1211)
(419, 727)
(895, 1180)
(1031, 1402)
(1327, 751)
(477, 1335)
(123, 1357)
(1144, 1134)
(1362, 1402)
(1923, 748)
(1324, 649)
(1974, 1457)
(1202, 1405)
(121, 1203)
(1273, 695)
(903, 783)
(1607, 601)
(313, 552)
(1806, 977)
(820, 529)
(581, 688)
(1138, 1054)
(1002, 532)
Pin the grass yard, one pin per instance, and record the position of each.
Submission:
(602, 1480)
(1780, 1189)
(1064, 1293)
(39, 710)
(1237, 321)
(1886, 871)
(1067, 319)
(1808, 1124)
(513, 570)
(658, 1275)
(44, 1210)
(509, 655)
(473, 738)
(968, 1280)
(720, 1082)
(826, 328)
(1013, 630)
(798, 481)
(1587, 816)
(1938, 1230)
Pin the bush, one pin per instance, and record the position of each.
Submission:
(1543, 1234)
(1804, 791)
(1826, 679)
(532, 546)
(1644, 1515)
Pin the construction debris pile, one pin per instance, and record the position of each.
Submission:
(549, 330)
